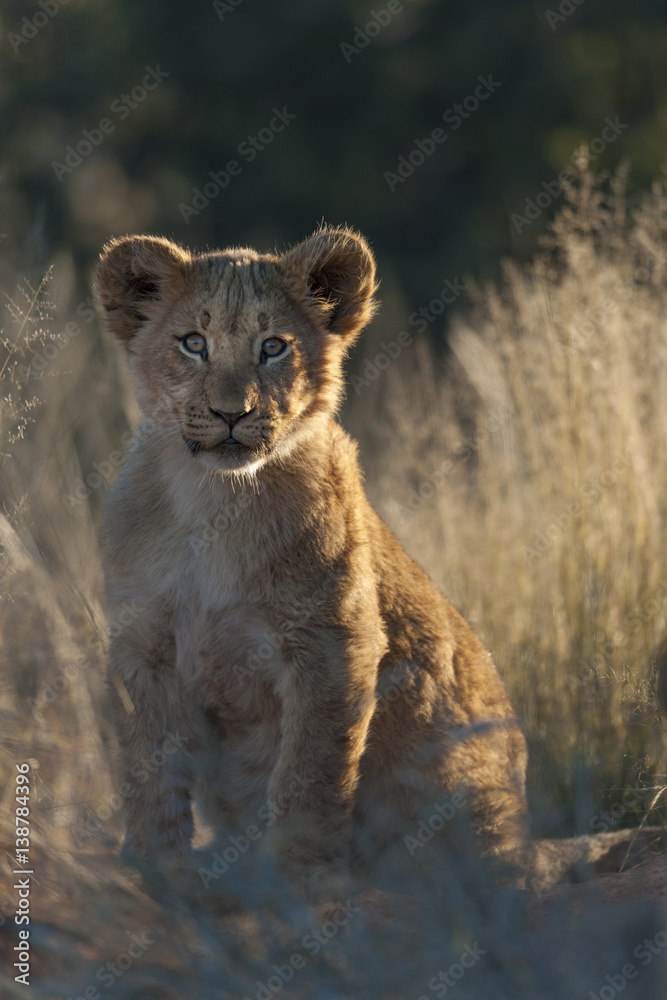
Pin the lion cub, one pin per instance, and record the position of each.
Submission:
(319, 680)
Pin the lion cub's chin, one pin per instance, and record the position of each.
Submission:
(236, 461)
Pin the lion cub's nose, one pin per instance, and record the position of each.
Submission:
(230, 418)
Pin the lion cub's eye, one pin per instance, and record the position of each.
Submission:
(273, 346)
(194, 343)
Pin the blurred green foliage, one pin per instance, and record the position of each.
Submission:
(564, 68)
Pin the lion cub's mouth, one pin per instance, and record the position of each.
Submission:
(230, 448)
(230, 444)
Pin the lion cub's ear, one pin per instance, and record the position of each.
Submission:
(332, 274)
(131, 273)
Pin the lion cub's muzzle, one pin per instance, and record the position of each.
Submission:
(233, 436)
(233, 439)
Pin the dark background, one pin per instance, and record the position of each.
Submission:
(229, 69)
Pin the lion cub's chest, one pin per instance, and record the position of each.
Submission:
(232, 657)
(228, 649)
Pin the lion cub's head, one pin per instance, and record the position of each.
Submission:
(236, 352)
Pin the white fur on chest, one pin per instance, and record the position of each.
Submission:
(226, 639)
(203, 564)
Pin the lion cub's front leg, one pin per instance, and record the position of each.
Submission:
(156, 726)
(328, 698)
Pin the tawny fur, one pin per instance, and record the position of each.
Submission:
(311, 667)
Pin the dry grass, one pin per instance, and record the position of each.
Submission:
(530, 478)
(552, 380)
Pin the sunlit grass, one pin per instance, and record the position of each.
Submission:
(528, 477)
